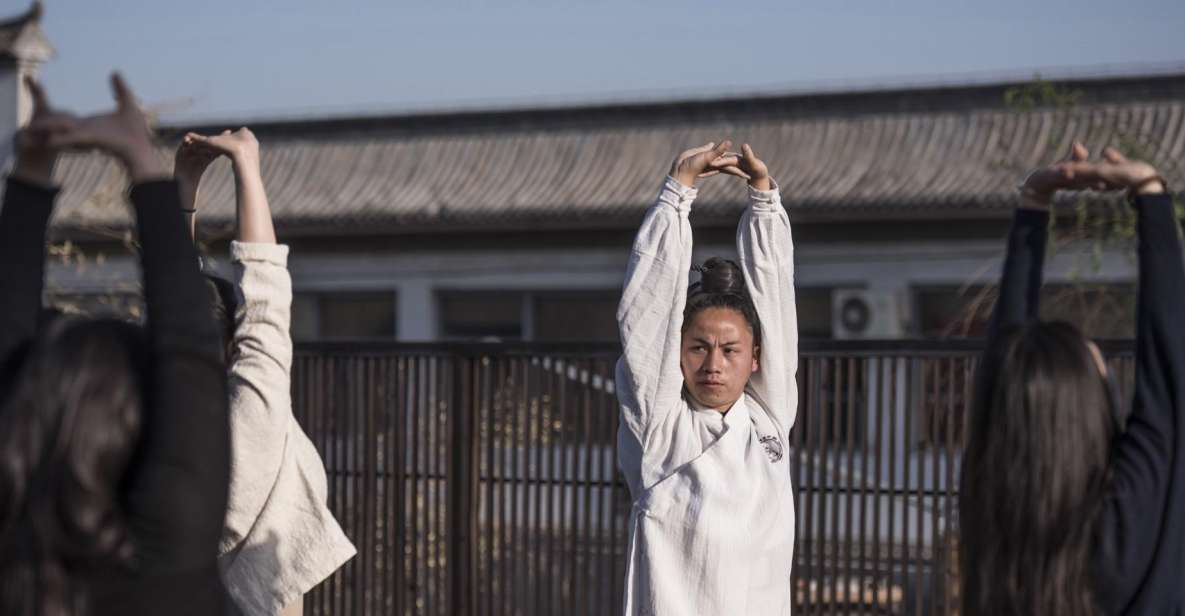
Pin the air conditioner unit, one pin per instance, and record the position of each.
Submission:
(858, 314)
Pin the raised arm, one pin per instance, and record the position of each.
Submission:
(1142, 514)
(766, 251)
(1020, 281)
(254, 215)
(1021, 278)
(260, 371)
(189, 164)
(650, 316)
(175, 496)
(178, 492)
(24, 219)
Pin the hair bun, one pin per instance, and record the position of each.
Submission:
(721, 276)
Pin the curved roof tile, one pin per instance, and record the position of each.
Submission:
(605, 170)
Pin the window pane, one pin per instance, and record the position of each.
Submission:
(951, 311)
(356, 315)
(481, 314)
(576, 316)
(1099, 310)
(814, 311)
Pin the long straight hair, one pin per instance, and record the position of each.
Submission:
(69, 424)
(1034, 475)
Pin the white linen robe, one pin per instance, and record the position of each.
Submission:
(712, 523)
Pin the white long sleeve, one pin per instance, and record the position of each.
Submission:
(650, 317)
(766, 251)
(280, 539)
(259, 381)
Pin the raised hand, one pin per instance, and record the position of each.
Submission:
(750, 168)
(254, 213)
(240, 146)
(1120, 173)
(1077, 172)
(35, 158)
(189, 164)
(704, 161)
(192, 159)
(124, 133)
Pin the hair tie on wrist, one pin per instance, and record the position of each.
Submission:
(189, 210)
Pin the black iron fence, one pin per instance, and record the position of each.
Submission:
(482, 479)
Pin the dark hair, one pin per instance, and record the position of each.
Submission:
(721, 285)
(68, 427)
(224, 302)
(1034, 474)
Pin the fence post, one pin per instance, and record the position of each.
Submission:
(462, 484)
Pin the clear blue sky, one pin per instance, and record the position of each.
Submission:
(240, 59)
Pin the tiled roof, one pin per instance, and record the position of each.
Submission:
(937, 153)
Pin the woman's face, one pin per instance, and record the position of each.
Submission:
(717, 357)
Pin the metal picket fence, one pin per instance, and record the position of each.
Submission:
(482, 479)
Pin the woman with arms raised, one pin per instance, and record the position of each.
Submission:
(280, 539)
(1065, 508)
(113, 438)
(708, 397)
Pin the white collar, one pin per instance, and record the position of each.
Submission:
(700, 408)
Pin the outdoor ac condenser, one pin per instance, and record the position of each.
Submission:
(858, 314)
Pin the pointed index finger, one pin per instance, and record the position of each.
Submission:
(121, 91)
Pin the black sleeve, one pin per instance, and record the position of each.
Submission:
(176, 495)
(1142, 545)
(1020, 283)
(23, 223)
